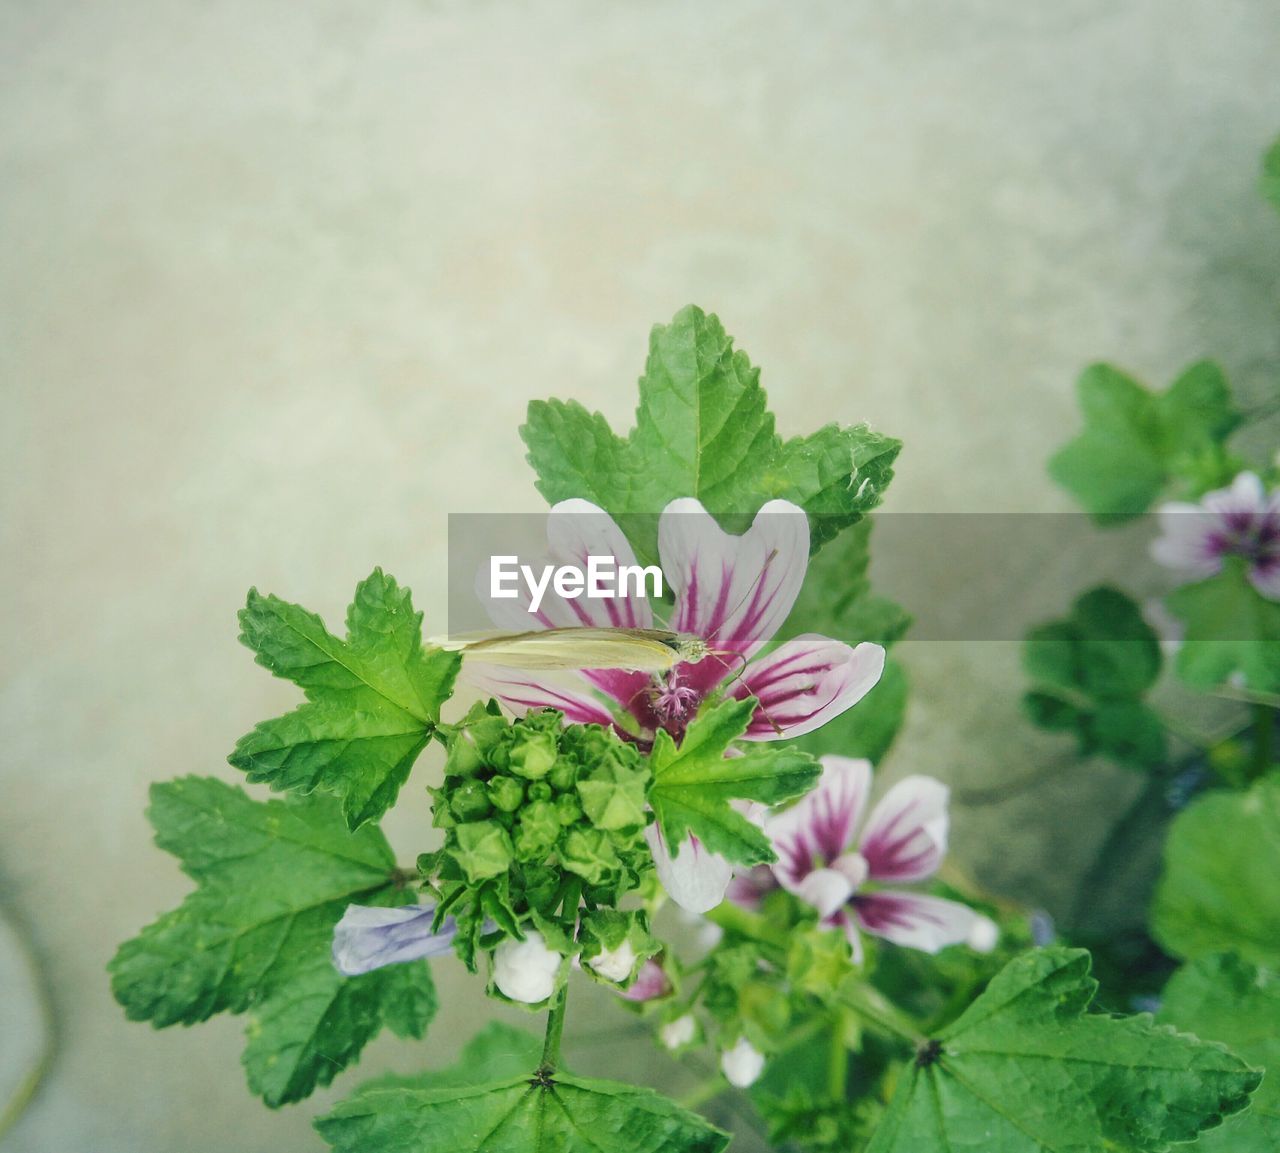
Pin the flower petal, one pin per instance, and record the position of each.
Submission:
(742, 1064)
(733, 591)
(695, 879)
(806, 682)
(1244, 499)
(526, 970)
(914, 920)
(825, 889)
(576, 530)
(368, 938)
(906, 834)
(1189, 539)
(521, 694)
(651, 983)
(817, 830)
(749, 888)
(1264, 575)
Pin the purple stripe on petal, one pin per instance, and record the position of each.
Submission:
(817, 830)
(368, 938)
(733, 591)
(806, 682)
(906, 834)
(522, 694)
(913, 920)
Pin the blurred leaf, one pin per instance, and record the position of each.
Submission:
(1232, 632)
(1091, 672)
(1135, 440)
(1271, 174)
(836, 599)
(1219, 891)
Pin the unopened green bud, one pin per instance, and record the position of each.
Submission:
(563, 775)
(537, 831)
(482, 849)
(568, 809)
(506, 794)
(533, 754)
(470, 801)
(539, 791)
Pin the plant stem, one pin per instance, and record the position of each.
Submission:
(555, 1029)
(870, 1005)
(734, 919)
(1264, 723)
(700, 1094)
(838, 1057)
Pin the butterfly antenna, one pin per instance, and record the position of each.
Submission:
(755, 584)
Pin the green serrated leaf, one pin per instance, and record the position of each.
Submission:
(498, 1052)
(703, 430)
(1091, 672)
(694, 782)
(272, 879)
(1026, 1070)
(1218, 892)
(1232, 631)
(534, 1113)
(1222, 998)
(1135, 440)
(314, 1026)
(373, 700)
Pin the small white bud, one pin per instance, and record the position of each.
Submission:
(526, 970)
(678, 1033)
(743, 1064)
(614, 964)
(984, 934)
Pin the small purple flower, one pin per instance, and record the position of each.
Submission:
(368, 938)
(826, 862)
(651, 983)
(1241, 521)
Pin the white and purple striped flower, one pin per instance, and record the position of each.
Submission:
(369, 937)
(734, 592)
(851, 878)
(1241, 521)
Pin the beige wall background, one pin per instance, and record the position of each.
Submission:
(278, 280)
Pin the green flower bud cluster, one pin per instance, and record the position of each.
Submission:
(538, 817)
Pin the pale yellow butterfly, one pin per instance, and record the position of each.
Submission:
(635, 650)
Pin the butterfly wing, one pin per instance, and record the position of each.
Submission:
(635, 650)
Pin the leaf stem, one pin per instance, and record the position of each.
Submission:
(838, 1057)
(734, 919)
(555, 1030)
(700, 1094)
(1264, 724)
(871, 1006)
